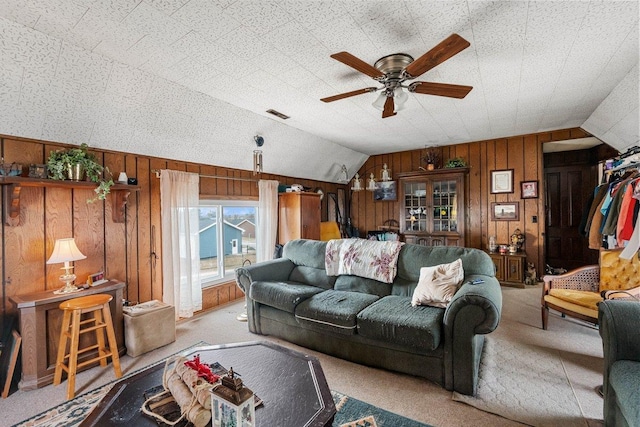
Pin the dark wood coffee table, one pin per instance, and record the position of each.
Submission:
(291, 385)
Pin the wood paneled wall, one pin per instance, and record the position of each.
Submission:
(129, 251)
(522, 153)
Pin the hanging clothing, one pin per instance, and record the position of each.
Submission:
(611, 219)
(624, 227)
(599, 193)
(595, 236)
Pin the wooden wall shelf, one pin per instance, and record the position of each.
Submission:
(12, 185)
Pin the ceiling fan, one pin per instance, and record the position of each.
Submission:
(394, 70)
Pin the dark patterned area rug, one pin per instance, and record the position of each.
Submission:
(356, 413)
(350, 412)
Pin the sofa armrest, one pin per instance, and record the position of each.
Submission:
(473, 311)
(486, 296)
(618, 327)
(276, 270)
(620, 331)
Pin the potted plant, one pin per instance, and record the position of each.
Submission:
(75, 163)
(456, 162)
(431, 158)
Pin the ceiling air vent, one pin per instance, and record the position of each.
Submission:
(278, 114)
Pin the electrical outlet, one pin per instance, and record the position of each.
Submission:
(534, 219)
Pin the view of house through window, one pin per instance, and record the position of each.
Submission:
(227, 238)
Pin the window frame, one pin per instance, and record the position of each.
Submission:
(211, 202)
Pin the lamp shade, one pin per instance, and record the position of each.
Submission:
(380, 100)
(65, 250)
(400, 97)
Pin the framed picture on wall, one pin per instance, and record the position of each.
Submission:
(529, 189)
(502, 181)
(385, 191)
(505, 211)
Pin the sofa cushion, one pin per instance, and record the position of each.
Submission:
(584, 298)
(393, 319)
(333, 310)
(623, 378)
(312, 276)
(414, 257)
(309, 253)
(361, 284)
(282, 295)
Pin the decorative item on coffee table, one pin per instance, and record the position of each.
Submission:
(232, 404)
(184, 394)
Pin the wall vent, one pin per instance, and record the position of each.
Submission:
(278, 114)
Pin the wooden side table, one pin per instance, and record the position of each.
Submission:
(40, 323)
(510, 268)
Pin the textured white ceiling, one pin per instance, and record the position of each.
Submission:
(192, 79)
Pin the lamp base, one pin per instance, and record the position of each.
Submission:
(69, 287)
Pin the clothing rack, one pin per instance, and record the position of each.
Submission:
(630, 152)
(232, 178)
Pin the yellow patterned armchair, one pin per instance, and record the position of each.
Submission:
(578, 292)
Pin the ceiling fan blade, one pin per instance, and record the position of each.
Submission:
(358, 64)
(389, 106)
(444, 50)
(348, 94)
(440, 89)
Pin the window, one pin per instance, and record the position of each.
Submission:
(227, 238)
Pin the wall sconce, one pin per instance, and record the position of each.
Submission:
(371, 184)
(385, 175)
(65, 250)
(357, 183)
(344, 175)
(257, 155)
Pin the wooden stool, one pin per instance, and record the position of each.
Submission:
(73, 327)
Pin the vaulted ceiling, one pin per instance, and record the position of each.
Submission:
(192, 79)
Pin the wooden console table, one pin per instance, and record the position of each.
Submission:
(40, 323)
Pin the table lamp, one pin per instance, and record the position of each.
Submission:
(65, 250)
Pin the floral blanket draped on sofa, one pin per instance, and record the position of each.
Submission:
(366, 258)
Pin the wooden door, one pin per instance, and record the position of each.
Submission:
(568, 189)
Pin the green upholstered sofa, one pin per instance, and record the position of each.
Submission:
(371, 322)
(620, 331)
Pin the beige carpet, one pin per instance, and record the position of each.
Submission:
(525, 383)
(579, 347)
(537, 377)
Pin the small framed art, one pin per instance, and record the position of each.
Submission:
(505, 211)
(502, 181)
(385, 191)
(529, 189)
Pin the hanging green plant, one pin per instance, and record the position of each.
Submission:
(456, 162)
(76, 163)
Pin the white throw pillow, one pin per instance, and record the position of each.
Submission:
(438, 284)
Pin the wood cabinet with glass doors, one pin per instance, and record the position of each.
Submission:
(432, 207)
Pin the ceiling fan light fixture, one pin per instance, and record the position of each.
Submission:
(378, 104)
(400, 97)
(393, 70)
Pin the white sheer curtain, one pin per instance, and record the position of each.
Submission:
(268, 211)
(179, 201)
